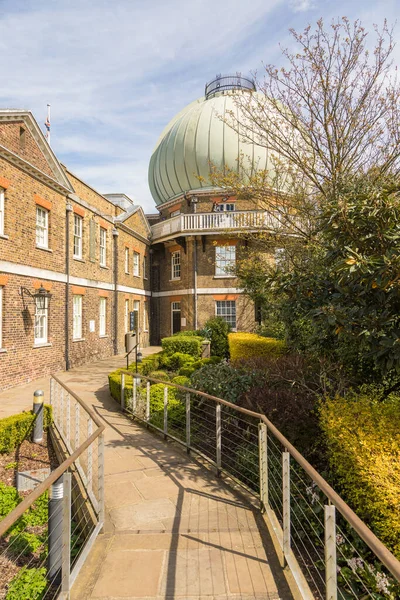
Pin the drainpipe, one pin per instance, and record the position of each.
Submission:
(195, 279)
(67, 228)
(115, 238)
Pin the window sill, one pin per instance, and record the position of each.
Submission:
(136, 275)
(43, 345)
(4, 237)
(43, 248)
(78, 259)
(104, 336)
(78, 339)
(224, 277)
(126, 272)
(3, 350)
(175, 279)
(145, 278)
(104, 267)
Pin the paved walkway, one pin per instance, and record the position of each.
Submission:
(172, 529)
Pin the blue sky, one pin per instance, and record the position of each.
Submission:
(116, 72)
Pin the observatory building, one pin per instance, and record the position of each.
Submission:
(199, 235)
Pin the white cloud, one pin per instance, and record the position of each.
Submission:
(301, 5)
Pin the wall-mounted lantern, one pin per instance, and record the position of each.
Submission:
(42, 297)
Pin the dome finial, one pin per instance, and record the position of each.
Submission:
(223, 83)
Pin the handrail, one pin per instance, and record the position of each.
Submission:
(18, 511)
(380, 550)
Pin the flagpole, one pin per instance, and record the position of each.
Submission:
(48, 124)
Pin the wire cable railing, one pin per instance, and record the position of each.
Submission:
(330, 551)
(45, 540)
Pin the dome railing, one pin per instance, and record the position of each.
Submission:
(224, 83)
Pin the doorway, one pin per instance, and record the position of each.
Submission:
(175, 317)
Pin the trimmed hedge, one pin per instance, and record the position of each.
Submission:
(15, 429)
(363, 438)
(180, 359)
(180, 343)
(181, 380)
(248, 345)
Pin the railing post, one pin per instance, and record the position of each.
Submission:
(165, 411)
(62, 410)
(218, 435)
(188, 422)
(263, 453)
(134, 394)
(122, 391)
(90, 455)
(77, 433)
(66, 536)
(286, 501)
(100, 475)
(148, 401)
(330, 553)
(69, 420)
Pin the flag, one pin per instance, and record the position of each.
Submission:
(47, 124)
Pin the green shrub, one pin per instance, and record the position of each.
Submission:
(29, 584)
(247, 345)
(180, 359)
(214, 360)
(149, 364)
(204, 361)
(114, 384)
(219, 330)
(38, 513)
(181, 380)
(160, 375)
(180, 343)
(363, 438)
(186, 371)
(175, 408)
(189, 332)
(9, 499)
(15, 429)
(224, 381)
(24, 543)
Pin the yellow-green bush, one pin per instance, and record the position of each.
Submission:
(363, 438)
(248, 345)
(15, 429)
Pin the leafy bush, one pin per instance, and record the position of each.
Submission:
(363, 437)
(160, 375)
(219, 330)
(38, 513)
(214, 360)
(176, 409)
(15, 429)
(180, 359)
(189, 332)
(186, 371)
(24, 543)
(29, 584)
(246, 345)
(149, 364)
(114, 384)
(180, 343)
(224, 381)
(181, 380)
(9, 499)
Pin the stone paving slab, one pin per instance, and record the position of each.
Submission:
(173, 529)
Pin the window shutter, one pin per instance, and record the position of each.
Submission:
(92, 240)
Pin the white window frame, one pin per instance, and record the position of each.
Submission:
(78, 235)
(225, 259)
(175, 307)
(126, 260)
(102, 316)
(126, 316)
(176, 265)
(145, 316)
(225, 207)
(77, 302)
(136, 308)
(136, 264)
(103, 247)
(2, 219)
(1, 316)
(227, 310)
(41, 322)
(42, 227)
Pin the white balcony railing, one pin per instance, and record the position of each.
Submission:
(220, 221)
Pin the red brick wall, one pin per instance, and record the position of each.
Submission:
(29, 150)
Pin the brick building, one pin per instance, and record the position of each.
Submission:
(74, 264)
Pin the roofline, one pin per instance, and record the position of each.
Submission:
(90, 187)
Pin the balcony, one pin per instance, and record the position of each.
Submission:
(221, 222)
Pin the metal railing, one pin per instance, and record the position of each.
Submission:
(250, 220)
(46, 538)
(329, 550)
(223, 83)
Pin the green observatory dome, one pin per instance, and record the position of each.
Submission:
(199, 136)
